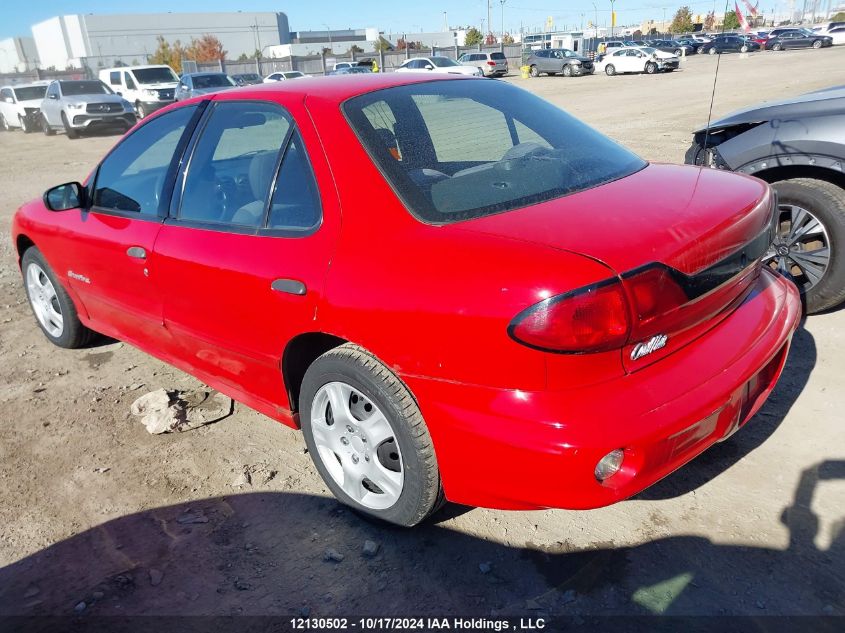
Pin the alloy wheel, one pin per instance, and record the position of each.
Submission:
(44, 300)
(357, 445)
(801, 247)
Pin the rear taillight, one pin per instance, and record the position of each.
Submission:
(654, 294)
(590, 319)
(491, 63)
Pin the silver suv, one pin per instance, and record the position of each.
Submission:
(491, 64)
(82, 105)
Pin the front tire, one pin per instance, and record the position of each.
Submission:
(53, 308)
(367, 437)
(650, 68)
(71, 132)
(743, 49)
(610, 70)
(26, 126)
(567, 71)
(712, 51)
(534, 72)
(777, 47)
(141, 110)
(811, 240)
(4, 124)
(817, 43)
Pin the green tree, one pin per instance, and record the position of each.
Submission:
(507, 38)
(243, 57)
(839, 17)
(682, 22)
(731, 21)
(382, 44)
(355, 49)
(473, 37)
(206, 49)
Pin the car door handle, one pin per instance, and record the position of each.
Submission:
(289, 286)
(136, 252)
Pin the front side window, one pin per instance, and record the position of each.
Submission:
(114, 78)
(132, 177)
(233, 164)
(130, 84)
(457, 150)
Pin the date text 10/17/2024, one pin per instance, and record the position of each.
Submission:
(417, 624)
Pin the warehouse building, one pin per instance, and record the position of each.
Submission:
(108, 40)
(18, 54)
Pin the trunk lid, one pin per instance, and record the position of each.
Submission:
(702, 230)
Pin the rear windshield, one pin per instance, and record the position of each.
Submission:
(74, 88)
(30, 93)
(461, 149)
(154, 75)
(497, 56)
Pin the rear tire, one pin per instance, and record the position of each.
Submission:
(335, 384)
(51, 303)
(826, 203)
(610, 70)
(534, 72)
(45, 127)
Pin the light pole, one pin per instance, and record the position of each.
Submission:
(596, 27)
(664, 19)
(329, 33)
(502, 2)
(612, 16)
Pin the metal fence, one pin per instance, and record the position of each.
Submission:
(321, 64)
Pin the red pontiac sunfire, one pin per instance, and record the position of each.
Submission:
(456, 289)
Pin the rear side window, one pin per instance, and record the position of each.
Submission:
(296, 204)
(455, 150)
(233, 164)
(114, 78)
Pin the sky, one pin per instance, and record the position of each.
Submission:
(392, 16)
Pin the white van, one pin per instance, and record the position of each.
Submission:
(148, 88)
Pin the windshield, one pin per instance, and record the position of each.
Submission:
(76, 88)
(564, 52)
(293, 75)
(443, 62)
(456, 150)
(30, 93)
(154, 75)
(211, 81)
(649, 50)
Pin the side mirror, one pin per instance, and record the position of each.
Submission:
(52, 96)
(71, 195)
(119, 93)
(9, 100)
(428, 67)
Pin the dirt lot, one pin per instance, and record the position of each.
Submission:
(95, 510)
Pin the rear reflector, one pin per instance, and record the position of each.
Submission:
(591, 319)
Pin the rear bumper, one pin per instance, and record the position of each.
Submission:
(523, 450)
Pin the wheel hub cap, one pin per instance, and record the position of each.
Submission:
(44, 300)
(801, 248)
(356, 444)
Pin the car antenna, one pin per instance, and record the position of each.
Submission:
(713, 94)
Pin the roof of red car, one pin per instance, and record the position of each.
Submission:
(338, 87)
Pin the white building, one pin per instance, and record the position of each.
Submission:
(104, 40)
(18, 54)
(338, 42)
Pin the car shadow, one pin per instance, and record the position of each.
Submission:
(720, 457)
(293, 554)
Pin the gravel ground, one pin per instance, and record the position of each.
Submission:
(97, 516)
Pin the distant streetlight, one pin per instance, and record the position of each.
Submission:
(329, 33)
(502, 2)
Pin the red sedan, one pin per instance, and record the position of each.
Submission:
(454, 288)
